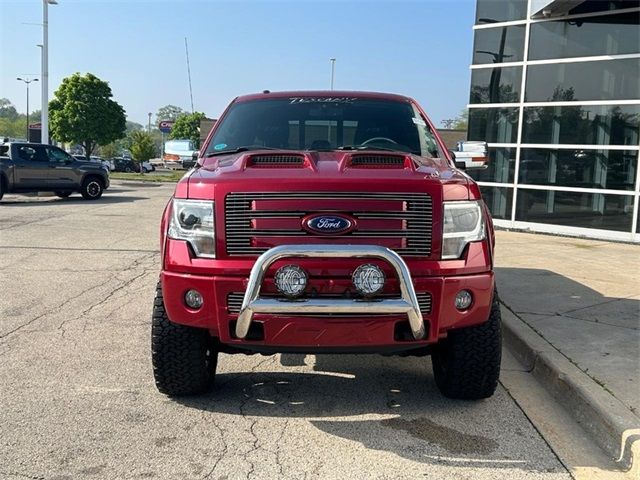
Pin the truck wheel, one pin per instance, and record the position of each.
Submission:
(184, 358)
(92, 188)
(467, 364)
(62, 194)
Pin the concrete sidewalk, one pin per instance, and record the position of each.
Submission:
(573, 316)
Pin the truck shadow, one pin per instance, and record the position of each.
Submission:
(33, 201)
(403, 411)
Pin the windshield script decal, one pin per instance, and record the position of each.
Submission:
(322, 99)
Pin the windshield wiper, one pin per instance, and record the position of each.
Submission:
(370, 147)
(239, 149)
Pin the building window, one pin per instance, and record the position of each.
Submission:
(496, 85)
(602, 6)
(496, 45)
(586, 125)
(589, 36)
(575, 209)
(499, 201)
(490, 11)
(493, 125)
(500, 166)
(607, 169)
(603, 80)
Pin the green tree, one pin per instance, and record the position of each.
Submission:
(169, 112)
(110, 150)
(83, 112)
(188, 126)
(7, 110)
(142, 146)
(133, 126)
(462, 120)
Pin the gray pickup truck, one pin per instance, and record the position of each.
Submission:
(33, 167)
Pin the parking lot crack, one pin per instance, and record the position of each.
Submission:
(55, 309)
(225, 449)
(108, 297)
(23, 475)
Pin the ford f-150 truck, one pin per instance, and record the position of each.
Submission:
(34, 167)
(326, 222)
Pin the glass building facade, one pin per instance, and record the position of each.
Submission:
(555, 91)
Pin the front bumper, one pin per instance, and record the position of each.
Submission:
(406, 304)
(351, 324)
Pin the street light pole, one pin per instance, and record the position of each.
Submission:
(333, 69)
(149, 124)
(27, 82)
(45, 69)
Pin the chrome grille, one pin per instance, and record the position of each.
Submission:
(234, 303)
(415, 213)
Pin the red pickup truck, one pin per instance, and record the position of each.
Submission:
(326, 222)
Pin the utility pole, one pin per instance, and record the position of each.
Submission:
(27, 82)
(45, 69)
(333, 69)
(186, 48)
(149, 124)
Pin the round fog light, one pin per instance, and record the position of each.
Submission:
(463, 299)
(291, 280)
(368, 279)
(193, 299)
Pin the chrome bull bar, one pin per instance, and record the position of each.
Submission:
(407, 304)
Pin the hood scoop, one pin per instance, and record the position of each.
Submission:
(377, 161)
(277, 161)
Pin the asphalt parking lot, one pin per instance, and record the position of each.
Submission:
(77, 398)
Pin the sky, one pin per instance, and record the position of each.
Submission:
(420, 48)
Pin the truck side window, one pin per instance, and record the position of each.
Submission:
(58, 156)
(30, 154)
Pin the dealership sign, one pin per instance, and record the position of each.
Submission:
(165, 126)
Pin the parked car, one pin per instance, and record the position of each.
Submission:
(33, 167)
(145, 167)
(94, 158)
(123, 165)
(179, 154)
(326, 222)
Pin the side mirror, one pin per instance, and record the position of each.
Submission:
(461, 165)
(472, 155)
(195, 155)
(473, 146)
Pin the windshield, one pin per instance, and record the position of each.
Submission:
(179, 145)
(324, 123)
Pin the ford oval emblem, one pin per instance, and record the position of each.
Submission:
(325, 224)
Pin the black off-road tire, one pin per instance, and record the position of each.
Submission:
(92, 188)
(184, 358)
(467, 364)
(63, 194)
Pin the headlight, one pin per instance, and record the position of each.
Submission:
(192, 220)
(463, 223)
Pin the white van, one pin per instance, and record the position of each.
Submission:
(178, 153)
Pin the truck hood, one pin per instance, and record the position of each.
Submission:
(286, 170)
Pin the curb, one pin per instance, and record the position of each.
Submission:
(607, 420)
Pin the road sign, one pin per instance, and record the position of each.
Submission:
(165, 126)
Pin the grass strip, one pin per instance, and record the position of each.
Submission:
(173, 176)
